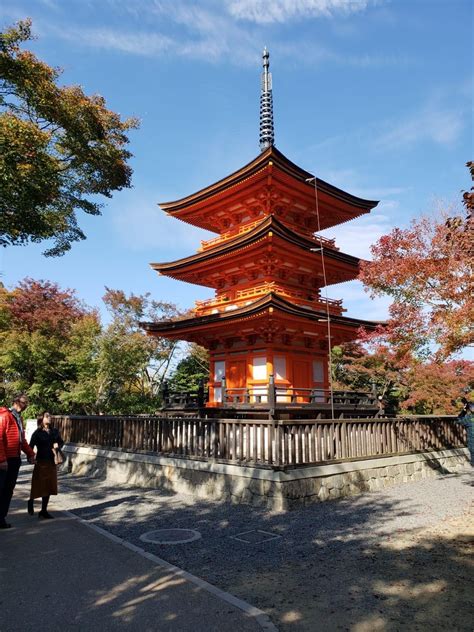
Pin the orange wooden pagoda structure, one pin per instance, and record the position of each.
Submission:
(267, 267)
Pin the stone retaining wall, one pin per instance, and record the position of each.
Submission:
(261, 487)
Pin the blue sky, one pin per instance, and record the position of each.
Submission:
(372, 96)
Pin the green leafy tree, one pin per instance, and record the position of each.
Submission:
(191, 370)
(59, 149)
(118, 368)
(79, 393)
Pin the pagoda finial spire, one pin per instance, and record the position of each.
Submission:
(267, 135)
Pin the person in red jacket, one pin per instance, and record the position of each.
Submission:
(12, 442)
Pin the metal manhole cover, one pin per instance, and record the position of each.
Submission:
(255, 536)
(170, 536)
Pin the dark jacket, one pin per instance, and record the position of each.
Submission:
(43, 441)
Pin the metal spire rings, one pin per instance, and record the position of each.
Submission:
(267, 135)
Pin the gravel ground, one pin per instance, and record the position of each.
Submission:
(392, 560)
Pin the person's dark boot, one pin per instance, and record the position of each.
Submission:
(31, 507)
(44, 515)
(4, 524)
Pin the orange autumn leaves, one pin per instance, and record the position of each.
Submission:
(427, 269)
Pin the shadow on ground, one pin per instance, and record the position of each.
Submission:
(57, 575)
(359, 564)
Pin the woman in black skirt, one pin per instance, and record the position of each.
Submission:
(44, 483)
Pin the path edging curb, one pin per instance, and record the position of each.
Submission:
(260, 617)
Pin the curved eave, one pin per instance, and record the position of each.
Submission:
(255, 309)
(270, 224)
(282, 162)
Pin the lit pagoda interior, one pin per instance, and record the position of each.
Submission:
(270, 317)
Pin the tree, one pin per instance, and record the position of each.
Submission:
(43, 306)
(436, 389)
(36, 319)
(191, 370)
(427, 270)
(356, 368)
(468, 196)
(406, 385)
(59, 352)
(119, 369)
(58, 147)
(79, 392)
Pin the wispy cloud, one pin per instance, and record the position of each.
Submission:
(169, 29)
(231, 31)
(137, 43)
(358, 303)
(223, 43)
(358, 236)
(349, 179)
(440, 120)
(440, 125)
(283, 10)
(314, 54)
(50, 4)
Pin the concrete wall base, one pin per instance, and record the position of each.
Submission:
(275, 490)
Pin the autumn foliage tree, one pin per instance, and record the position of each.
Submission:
(427, 269)
(379, 370)
(36, 319)
(435, 388)
(59, 149)
(405, 384)
(43, 306)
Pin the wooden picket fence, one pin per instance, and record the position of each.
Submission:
(264, 443)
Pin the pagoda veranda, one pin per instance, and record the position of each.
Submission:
(269, 319)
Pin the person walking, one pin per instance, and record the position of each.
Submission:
(12, 443)
(466, 418)
(44, 482)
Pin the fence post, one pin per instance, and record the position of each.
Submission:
(271, 396)
(223, 391)
(275, 429)
(165, 394)
(200, 395)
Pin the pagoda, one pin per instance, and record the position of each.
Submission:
(268, 267)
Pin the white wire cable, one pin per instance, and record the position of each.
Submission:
(331, 390)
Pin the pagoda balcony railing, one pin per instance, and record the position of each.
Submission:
(335, 305)
(210, 303)
(210, 243)
(270, 394)
(273, 395)
(225, 302)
